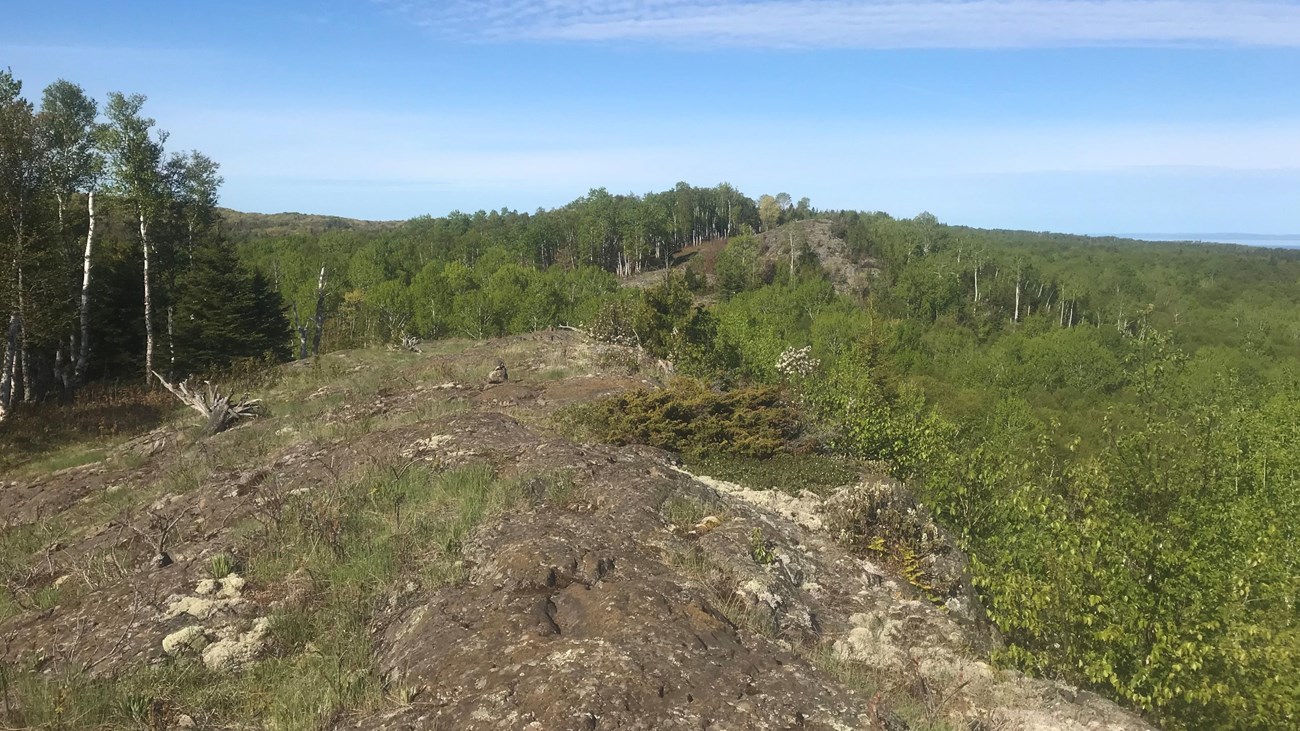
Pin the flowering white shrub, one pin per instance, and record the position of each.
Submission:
(797, 362)
(614, 324)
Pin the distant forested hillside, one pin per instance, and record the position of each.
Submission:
(240, 226)
(1107, 424)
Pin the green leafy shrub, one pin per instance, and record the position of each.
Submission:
(695, 281)
(222, 565)
(760, 549)
(739, 266)
(616, 321)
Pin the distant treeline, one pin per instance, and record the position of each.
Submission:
(491, 273)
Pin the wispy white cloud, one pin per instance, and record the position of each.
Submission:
(881, 24)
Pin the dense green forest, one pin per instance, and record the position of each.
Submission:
(1107, 425)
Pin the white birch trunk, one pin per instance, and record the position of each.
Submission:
(7, 367)
(24, 372)
(320, 312)
(300, 327)
(171, 344)
(1016, 316)
(60, 366)
(23, 381)
(148, 302)
(792, 258)
(83, 353)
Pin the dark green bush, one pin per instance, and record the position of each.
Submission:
(790, 473)
(689, 418)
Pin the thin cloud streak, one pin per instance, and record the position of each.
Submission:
(866, 24)
(472, 148)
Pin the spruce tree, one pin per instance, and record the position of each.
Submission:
(224, 313)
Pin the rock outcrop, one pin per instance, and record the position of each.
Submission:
(645, 597)
(604, 615)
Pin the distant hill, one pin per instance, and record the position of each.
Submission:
(1265, 240)
(242, 226)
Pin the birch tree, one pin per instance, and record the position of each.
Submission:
(135, 153)
(68, 120)
(23, 180)
(769, 212)
(194, 182)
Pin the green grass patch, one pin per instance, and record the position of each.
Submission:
(25, 583)
(554, 374)
(752, 616)
(299, 693)
(388, 519)
(684, 512)
(788, 473)
(851, 673)
(43, 438)
(924, 705)
(350, 541)
(67, 458)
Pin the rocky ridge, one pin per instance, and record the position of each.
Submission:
(643, 597)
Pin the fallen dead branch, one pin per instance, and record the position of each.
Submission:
(222, 410)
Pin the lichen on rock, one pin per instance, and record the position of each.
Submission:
(237, 649)
(191, 639)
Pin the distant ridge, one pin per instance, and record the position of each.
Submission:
(1272, 241)
(242, 226)
(1226, 237)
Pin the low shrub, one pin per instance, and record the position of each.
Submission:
(883, 519)
(790, 473)
(689, 418)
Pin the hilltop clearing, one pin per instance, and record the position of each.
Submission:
(1106, 428)
(398, 546)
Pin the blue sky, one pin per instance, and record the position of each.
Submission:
(1088, 116)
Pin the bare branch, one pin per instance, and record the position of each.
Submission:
(221, 410)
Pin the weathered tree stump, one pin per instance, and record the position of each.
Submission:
(221, 410)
